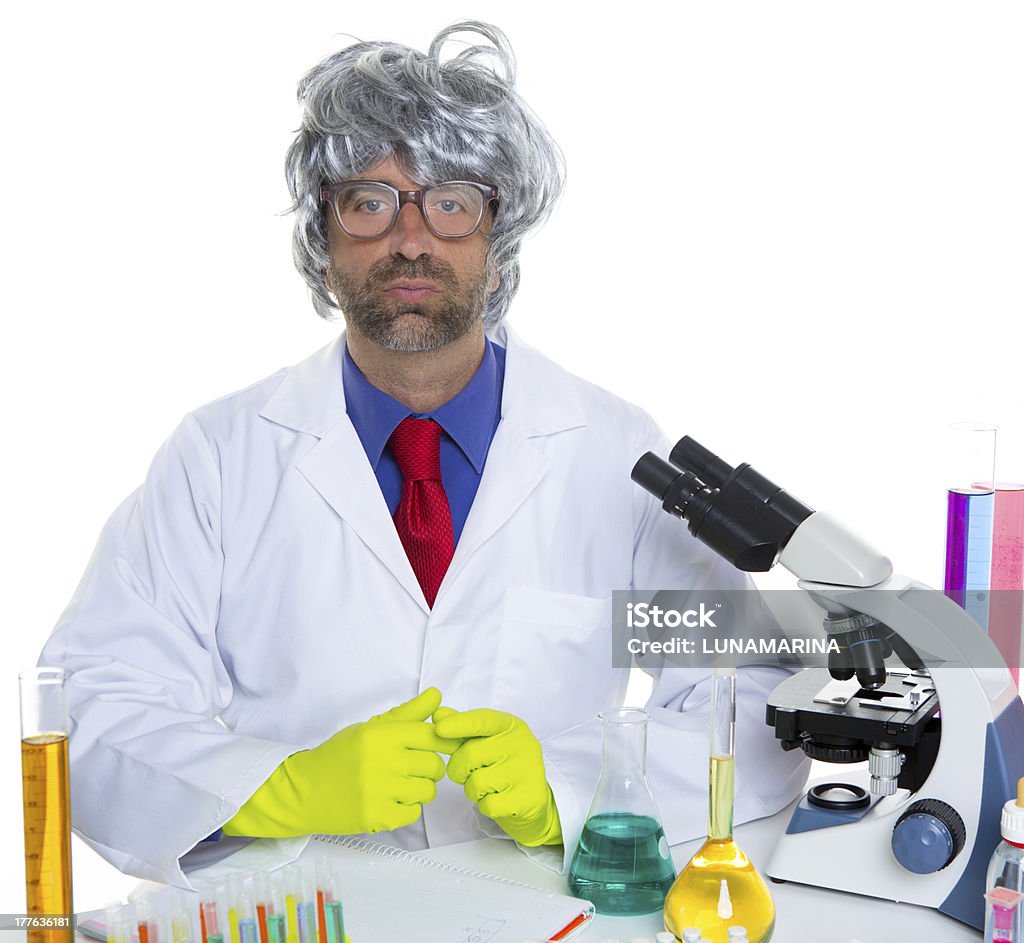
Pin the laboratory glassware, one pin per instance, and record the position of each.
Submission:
(1006, 867)
(720, 887)
(46, 793)
(622, 863)
(1006, 611)
(970, 506)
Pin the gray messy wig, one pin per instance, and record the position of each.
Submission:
(459, 119)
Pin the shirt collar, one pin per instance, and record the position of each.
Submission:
(469, 417)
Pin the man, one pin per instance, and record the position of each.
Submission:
(370, 594)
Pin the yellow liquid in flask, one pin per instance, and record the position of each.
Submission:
(720, 888)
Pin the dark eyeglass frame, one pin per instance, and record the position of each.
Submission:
(330, 195)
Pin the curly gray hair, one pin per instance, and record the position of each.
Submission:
(442, 120)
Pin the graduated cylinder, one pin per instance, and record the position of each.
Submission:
(47, 802)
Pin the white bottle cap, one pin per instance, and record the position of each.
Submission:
(738, 933)
(665, 937)
(1011, 825)
(691, 935)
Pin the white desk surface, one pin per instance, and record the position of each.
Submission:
(802, 914)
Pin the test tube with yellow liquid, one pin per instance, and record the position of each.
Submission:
(47, 805)
(720, 888)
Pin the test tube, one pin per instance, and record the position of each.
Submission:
(181, 920)
(150, 919)
(970, 505)
(292, 895)
(247, 927)
(1006, 611)
(46, 797)
(234, 893)
(263, 901)
(322, 896)
(306, 910)
(201, 889)
(116, 918)
(329, 889)
(210, 904)
(277, 918)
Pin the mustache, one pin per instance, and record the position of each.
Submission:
(425, 267)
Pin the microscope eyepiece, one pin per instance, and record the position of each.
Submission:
(654, 474)
(739, 513)
(689, 455)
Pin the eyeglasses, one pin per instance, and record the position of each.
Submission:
(367, 209)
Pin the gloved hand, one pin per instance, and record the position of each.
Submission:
(368, 777)
(501, 768)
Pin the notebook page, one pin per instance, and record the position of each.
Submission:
(397, 898)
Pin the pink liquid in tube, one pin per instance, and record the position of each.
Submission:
(1006, 609)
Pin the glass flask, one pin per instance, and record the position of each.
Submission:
(720, 888)
(622, 862)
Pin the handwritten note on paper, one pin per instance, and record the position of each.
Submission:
(486, 930)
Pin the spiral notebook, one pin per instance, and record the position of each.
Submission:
(394, 895)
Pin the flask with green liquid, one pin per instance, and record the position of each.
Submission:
(622, 862)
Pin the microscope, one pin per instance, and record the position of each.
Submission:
(913, 686)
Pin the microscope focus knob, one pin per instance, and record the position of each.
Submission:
(928, 836)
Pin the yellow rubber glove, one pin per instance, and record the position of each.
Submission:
(368, 777)
(501, 768)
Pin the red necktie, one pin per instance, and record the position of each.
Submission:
(423, 518)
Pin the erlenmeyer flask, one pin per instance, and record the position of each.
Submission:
(622, 862)
(720, 888)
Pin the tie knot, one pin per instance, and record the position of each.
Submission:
(416, 445)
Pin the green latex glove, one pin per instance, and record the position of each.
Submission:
(368, 777)
(501, 768)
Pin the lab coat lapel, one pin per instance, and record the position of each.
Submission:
(311, 399)
(536, 401)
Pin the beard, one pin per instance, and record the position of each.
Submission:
(411, 326)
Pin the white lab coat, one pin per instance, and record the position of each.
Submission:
(252, 597)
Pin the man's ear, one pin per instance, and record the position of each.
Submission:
(495, 284)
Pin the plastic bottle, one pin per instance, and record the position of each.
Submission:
(1006, 868)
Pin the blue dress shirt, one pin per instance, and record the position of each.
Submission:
(468, 422)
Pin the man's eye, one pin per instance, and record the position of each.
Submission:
(370, 206)
(449, 206)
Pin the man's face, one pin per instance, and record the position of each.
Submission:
(409, 290)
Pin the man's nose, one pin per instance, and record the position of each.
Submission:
(410, 236)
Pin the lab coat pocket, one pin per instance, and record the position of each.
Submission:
(554, 658)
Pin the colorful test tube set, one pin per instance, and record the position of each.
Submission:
(985, 561)
(290, 905)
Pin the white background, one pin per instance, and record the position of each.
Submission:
(792, 230)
